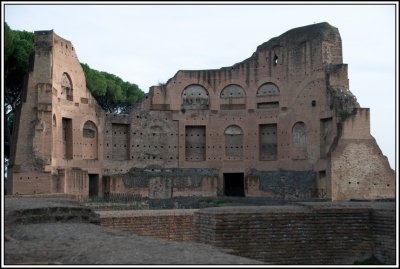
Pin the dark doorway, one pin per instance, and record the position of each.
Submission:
(106, 186)
(67, 138)
(234, 184)
(93, 185)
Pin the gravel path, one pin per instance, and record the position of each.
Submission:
(85, 243)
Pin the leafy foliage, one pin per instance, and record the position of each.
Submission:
(112, 93)
(18, 48)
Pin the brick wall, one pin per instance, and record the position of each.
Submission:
(358, 169)
(299, 235)
(286, 99)
(195, 143)
(30, 183)
(315, 233)
(384, 231)
(166, 224)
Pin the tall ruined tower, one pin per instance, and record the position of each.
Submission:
(58, 127)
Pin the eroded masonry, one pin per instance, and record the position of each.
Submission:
(280, 124)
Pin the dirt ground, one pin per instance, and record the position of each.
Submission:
(80, 243)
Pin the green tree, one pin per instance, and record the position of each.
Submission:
(18, 49)
(112, 93)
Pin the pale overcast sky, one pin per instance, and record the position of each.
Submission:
(148, 44)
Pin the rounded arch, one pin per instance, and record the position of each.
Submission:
(89, 129)
(195, 96)
(195, 90)
(66, 87)
(233, 130)
(233, 91)
(90, 138)
(268, 89)
(299, 134)
(233, 142)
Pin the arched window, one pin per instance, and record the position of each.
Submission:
(299, 141)
(233, 97)
(89, 149)
(233, 141)
(66, 87)
(89, 129)
(299, 135)
(268, 89)
(233, 91)
(195, 97)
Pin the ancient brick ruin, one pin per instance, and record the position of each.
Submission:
(280, 124)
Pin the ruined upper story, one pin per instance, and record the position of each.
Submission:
(286, 64)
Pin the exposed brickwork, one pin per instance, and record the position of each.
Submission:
(268, 139)
(49, 138)
(167, 224)
(313, 233)
(195, 143)
(288, 107)
(384, 234)
(32, 183)
(296, 235)
(358, 168)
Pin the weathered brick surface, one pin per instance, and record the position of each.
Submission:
(312, 233)
(283, 108)
(384, 235)
(299, 235)
(358, 168)
(167, 224)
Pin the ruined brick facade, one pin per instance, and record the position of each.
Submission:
(281, 124)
